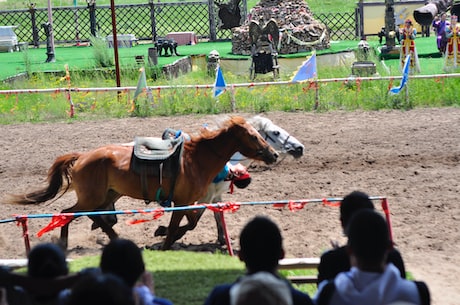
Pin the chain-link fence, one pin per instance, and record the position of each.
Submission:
(146, 21)
(342, 26)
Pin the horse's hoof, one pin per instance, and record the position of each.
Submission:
(161, 231)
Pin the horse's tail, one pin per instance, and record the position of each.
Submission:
(60, 169)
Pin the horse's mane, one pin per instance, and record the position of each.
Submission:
(260, 122)
(223, 124)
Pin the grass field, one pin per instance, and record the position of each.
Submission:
(186, 278)
(82, 58)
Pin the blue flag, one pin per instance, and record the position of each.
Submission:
(405, 77)
(307, 70)
(219, 85)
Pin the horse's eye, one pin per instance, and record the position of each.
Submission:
(276, 133)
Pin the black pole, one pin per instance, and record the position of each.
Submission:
(153, 21)
(212, 21)
(92, 17)
(33, 19)
(115, 42)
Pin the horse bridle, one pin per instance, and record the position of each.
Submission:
(267, 136)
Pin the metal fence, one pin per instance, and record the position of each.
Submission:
(145, 21)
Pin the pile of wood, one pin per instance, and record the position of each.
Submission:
(299, 31)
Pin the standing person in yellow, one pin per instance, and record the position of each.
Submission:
(407, 37)
(452, 58)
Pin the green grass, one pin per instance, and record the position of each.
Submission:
(186, 278)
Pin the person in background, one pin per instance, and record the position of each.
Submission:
(407, 37)
(336, 260)
(452, 56)
(260, 288)
(439, 25)
(46, 264)
(47, 281)
(371, 280)
(123, 258)
(260, 249)
(101, 289)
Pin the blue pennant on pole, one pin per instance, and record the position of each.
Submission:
(307, 70)
(405, 77)
(219, 85)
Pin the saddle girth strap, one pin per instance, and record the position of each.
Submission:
(145, 184)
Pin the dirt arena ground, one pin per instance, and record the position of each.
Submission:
(412, 158)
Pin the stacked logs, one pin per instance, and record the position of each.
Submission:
(299, 31)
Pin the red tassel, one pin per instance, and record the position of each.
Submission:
(156, 214)
(57, 221)
(227, 207)
(331, 204)
(295, 206)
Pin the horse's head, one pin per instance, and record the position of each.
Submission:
(250, 142)
(277, 137)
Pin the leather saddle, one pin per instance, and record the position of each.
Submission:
(155, 157)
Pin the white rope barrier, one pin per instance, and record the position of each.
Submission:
(210, 86)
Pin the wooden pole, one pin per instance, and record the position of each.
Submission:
(115, 43)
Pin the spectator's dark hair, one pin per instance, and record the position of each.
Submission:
(47, 260)
(368, 236)
(353, 202)
(123, 258)
(261, 244)
(102, 289)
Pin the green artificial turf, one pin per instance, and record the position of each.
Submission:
(82, 58)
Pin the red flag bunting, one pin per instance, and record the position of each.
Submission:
(226, 207)
(57, 221)
(331, 204)
(295, 206)
(156, 214)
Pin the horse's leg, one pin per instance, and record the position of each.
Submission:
(109, 219)
(192, 217)
(63, 240)
(106, 222)
(109, 205)
(173, 227)
(220, 228)
(163, 231)
(219, 225)
(106, 228)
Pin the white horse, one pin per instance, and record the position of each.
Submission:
(277, 137)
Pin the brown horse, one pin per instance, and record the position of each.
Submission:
(101, 176)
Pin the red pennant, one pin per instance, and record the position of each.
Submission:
(57, 221)
(295, 206)
(331, 204)
(156, 214)
(226, 207)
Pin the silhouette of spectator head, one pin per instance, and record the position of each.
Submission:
(47, 260)
(368, 238)
(123, 258)
(260, 288)
(261, 245)
(101, 289)
(353, 202)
